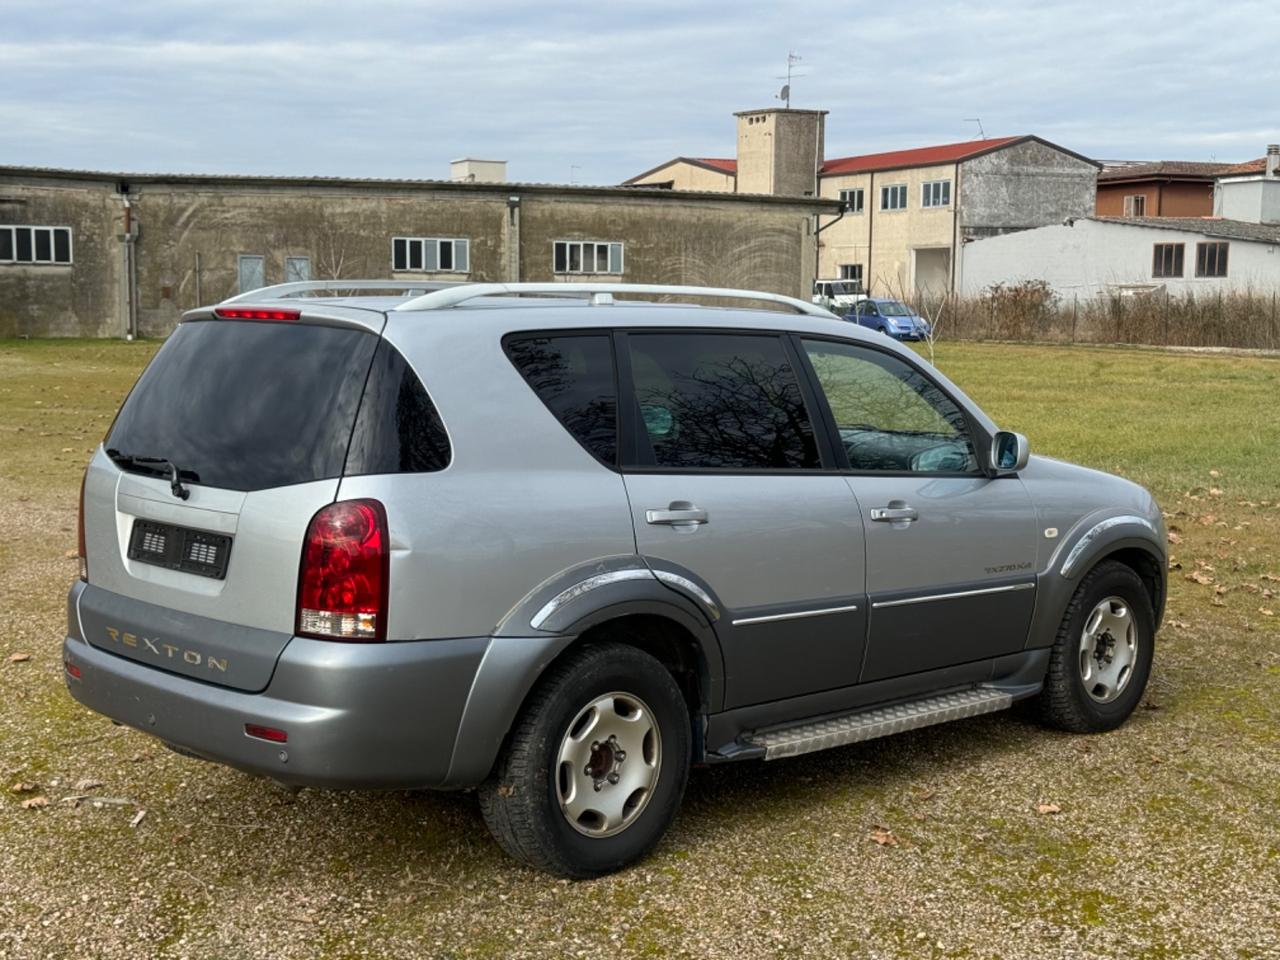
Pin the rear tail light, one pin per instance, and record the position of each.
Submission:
(255, 313)
(342, 583)
(259, 732)
(80, 550)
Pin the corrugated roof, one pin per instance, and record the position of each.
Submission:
(917, 157)
(258, 180)
(1207, 226)
(1178, 169)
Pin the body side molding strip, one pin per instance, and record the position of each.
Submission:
(1029, 585)
(799, 615)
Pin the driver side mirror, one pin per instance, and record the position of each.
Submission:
(1009, 453)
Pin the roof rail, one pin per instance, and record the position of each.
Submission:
(598, 294)
(281, 290)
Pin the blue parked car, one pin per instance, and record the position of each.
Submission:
(892, 317)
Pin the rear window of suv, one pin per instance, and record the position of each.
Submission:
(246, 406)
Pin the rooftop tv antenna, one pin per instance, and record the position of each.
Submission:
(981, 133)
(785, 93)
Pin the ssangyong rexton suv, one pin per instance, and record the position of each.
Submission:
(528, 539)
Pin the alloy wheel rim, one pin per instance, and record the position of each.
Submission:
(607, 765)
(1108, 650)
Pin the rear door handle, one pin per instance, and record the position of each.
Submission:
(896, 512)
(678, 511)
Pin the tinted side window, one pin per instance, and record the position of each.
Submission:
(244, 405)
(573, 375)
(891, 417)
(720, 401)
(398, 429)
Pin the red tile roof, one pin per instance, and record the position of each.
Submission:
(723, 164)
(1177, 169)
(919, 157)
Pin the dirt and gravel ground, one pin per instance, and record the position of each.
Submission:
(987, 838)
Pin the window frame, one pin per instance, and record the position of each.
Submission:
(1132, 201)
(900, 189)
(926, 188)
(1221, 252)
(1177, 257)
(632, 424)
(51, 231)
(295, 260)
(581, 246)
(840, 268)
(608, 334)
(831, 454)
(861, 193)
(420, 245)
(978, 437)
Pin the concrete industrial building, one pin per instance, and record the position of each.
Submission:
(1235, 250)
(906, 211)
(109, 254)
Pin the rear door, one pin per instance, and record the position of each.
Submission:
(729, 489)
(256, 417)
(950, 551)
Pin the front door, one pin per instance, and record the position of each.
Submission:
(950, 552)
(728, 489)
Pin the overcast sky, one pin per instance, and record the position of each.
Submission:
(597, 92)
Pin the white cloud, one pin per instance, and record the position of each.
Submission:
(399, 88)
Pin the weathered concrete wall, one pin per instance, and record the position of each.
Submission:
(1255, 200)
(697, 242)
(81, 299)
(190, 233)
(346, 234)
(1026, 185)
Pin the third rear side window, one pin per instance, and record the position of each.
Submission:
(573, 375)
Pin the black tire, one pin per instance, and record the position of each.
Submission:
(520, 801)
(1065, 703)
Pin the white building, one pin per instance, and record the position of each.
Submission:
(1096, 256)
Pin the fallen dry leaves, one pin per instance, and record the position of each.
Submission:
(35, 803)
(883, 836)
(19, 657)
(1047, 809)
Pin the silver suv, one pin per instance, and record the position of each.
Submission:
(557, 547)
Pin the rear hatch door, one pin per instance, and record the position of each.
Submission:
(256, 418)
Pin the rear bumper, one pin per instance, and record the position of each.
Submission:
(379, 715)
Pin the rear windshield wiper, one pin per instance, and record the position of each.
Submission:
(175, 475)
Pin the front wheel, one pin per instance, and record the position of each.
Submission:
(1102, 654)
(594, 769)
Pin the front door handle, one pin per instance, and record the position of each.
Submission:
(677, 512)
(897, 512)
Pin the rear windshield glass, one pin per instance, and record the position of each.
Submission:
(246, 406)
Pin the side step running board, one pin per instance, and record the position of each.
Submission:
(878, 722)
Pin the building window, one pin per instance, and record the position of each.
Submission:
(586, 256)
(852, 200)
(430, 254)
(36, 245)
(935, 193)
(851, 271)
(1135, 205)
(252, 276)
(894, 197)
(1167, 260)
(297, 269)
(1211, 259)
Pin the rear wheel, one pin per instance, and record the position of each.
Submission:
(1102, 654)
(595, 766)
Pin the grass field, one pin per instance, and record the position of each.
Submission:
(1166, 842)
